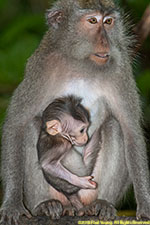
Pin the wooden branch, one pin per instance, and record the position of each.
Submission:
(142, 29)
(67, 220)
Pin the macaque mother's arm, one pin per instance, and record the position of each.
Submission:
(25, 105)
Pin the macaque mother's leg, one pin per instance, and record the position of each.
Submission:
(113, 173)
(110, 171)
(36, 189)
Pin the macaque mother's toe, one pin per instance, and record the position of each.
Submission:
(51, 208)
(101, 208)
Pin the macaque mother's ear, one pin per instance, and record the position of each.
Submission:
(54, 17)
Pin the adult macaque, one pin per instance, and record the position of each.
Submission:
(65, 123)
(86, 53)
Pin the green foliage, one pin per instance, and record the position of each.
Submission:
(138, 6)
(143, 82)
(13, 59)
(134, 5)
(17, 43)
(21, 25)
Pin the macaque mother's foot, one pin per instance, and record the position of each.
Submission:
(10, 214)
(51, 208)
(101, 208)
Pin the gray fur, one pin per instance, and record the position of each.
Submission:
(56, 69)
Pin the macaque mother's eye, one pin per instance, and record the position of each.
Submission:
(108, 20)
(92, 20)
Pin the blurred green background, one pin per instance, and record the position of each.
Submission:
(22, 26)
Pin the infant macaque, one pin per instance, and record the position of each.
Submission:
(65, 123)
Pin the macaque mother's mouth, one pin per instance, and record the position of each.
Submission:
(102, 55)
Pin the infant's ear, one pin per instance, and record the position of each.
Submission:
(53, 127)
(54, 17)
